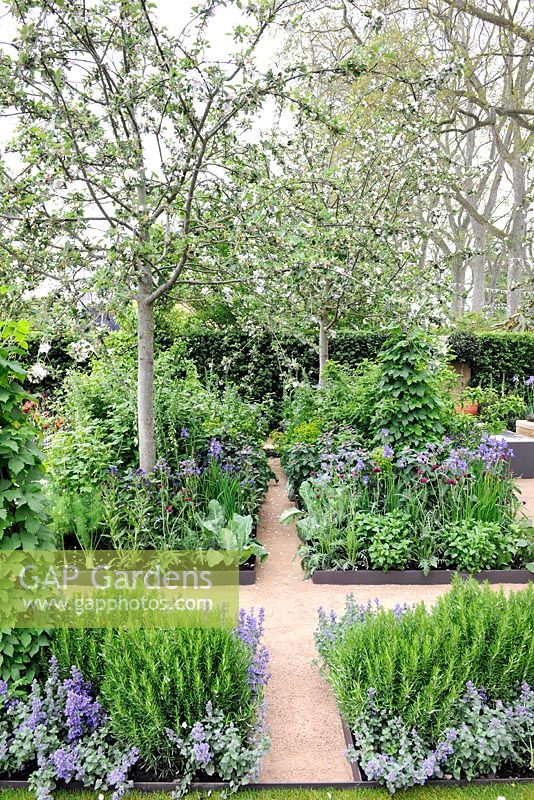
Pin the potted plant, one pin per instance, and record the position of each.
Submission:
(470, 400)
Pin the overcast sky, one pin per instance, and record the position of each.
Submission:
(174, 14)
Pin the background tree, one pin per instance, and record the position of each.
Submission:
(335, 238)
(469, 71)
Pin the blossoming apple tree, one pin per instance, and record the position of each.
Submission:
(125, 135)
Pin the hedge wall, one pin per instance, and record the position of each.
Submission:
(258, 363)
(495, 357)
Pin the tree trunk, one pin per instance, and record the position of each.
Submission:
(145, 380)
(478, 267)
(517, 260)
(323, 350)
(457, 302)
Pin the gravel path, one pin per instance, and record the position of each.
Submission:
(306, 738)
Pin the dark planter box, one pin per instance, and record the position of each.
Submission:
(247, 574)
(522, 463)
(365, 784)
(414, 577)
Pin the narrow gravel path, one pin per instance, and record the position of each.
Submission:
(306, 737)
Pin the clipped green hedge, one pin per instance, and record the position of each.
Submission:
(258, 363)
(495, 357)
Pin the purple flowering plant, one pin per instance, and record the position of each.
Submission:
(163, 509)
(215, 745)
(359, 506)
(486, 736)
(409, 680)
(60, 733)
(528, 390)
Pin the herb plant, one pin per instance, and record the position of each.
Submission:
(160, 686)
(60, 733)
(418, 661)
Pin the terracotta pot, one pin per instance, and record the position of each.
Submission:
(467, 408)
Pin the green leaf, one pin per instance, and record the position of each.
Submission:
(15, 465)
(287, 516)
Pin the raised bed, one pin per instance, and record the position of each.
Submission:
(247, 573)
(414, 577)
(522, 463)
(362, 782)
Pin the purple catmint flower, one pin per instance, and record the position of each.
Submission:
(80, 707)
(198, 734)
(250, 630)
(399, 609)
(117, 776)
(387, 451)
(3, 688)
(202, 753)
(37, 714)
(114, 471)
(529, 381)
(66, 763)
(184, 433)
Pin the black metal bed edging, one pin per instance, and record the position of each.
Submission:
(413, 577)
(161, 786)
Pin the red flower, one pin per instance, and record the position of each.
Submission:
(377, 469)
(424, 480)
(451, 481)
(169, 509)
